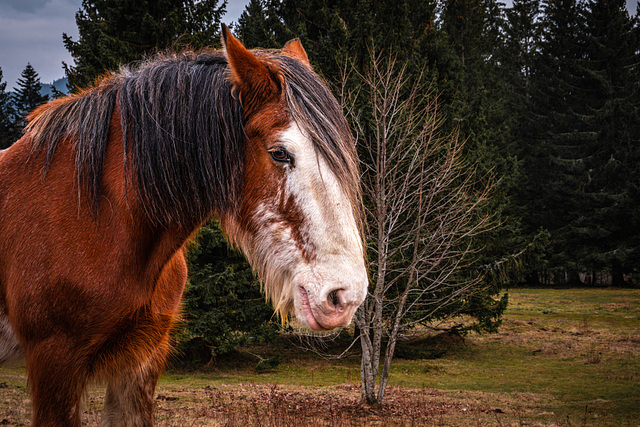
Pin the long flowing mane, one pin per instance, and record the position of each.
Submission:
(182, 130)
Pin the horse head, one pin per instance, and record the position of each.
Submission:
(298, 220)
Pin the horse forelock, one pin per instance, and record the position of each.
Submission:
(318, 114)
(185, 130)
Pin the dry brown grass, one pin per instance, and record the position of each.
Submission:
(561, 358)
(250, 404)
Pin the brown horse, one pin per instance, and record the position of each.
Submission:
(99, 197)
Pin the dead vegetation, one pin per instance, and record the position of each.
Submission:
(567, 367)
(271, 406)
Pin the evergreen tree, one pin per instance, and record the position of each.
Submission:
(117, 33)
(7, 116)
(224, 307)
(557, 137)
(332, 30)
(609, 221)
(581, 153)
(523, 32)
(479, 106)
(27, 95)
(464, 23)
(516, 57)
(256, 26)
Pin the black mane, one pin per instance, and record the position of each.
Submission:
(182, 129)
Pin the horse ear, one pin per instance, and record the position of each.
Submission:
(294, 49)
(255, 81)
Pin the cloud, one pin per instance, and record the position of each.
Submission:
(34, 6)
(31, 32)
(234, 10)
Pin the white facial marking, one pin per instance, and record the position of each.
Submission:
(308, 262)
(329, 222)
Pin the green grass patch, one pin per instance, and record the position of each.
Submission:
(562, 357)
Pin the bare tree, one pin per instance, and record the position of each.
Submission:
(422, 205)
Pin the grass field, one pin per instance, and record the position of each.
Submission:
(566, 357)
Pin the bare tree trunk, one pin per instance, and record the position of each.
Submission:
(367, 374)
(391, 347)
(371, 348)
(421, 213)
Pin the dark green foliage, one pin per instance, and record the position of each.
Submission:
(578, 123)
(223, 304)
(613, 101)
(257, 27)
(333, 30)
(555, 169)
(268, 363)
(27, 96)
(476, 94)
(523, 33)
(8, 132)
(113, 33)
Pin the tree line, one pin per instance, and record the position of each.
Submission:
(517, 126)
(15, 106)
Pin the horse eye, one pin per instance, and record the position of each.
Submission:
(280, 155)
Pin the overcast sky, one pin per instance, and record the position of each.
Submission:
(31, 32)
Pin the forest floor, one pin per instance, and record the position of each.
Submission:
(566, 357)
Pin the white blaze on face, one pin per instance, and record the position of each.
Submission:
(333, 283)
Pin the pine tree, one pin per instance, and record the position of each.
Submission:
(117, 33)
(463, 22)
(581, 152)
(27, 95)
(257, 27)
(516, 57)
(523, 33)
(609, 222)
(223, 304)
(557, 137)
(7, 116)
(479, 107)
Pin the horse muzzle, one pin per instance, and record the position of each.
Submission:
(335, 309)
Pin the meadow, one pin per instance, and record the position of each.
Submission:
(565, 357)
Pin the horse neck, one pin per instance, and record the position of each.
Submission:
(153, 244)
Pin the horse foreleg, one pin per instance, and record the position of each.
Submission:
(57, 379)
(129, 400)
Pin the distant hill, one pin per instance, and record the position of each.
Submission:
(47, 88)
(60, 84)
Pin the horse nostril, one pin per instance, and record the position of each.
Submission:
(336, 310)
(334, 298)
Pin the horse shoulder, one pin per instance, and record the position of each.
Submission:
(170, 284)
